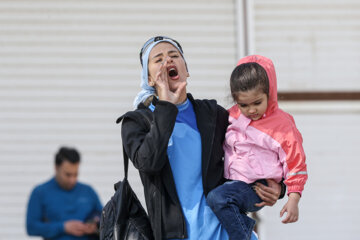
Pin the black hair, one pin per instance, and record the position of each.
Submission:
(248, 76)
(67, 154)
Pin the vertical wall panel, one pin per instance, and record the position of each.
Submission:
(315, 44)
(328, 206)
(68, 69)
(315, 47)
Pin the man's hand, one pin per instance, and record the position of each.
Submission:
(269, 194)
(75, 228)
(91, 228)
(292, 209)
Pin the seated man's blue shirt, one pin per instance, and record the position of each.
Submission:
(184, 152)
(50, 206)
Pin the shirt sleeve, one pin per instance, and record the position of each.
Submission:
(98, 206)
(98, 203)
(35, 225)
(147, 148)
(295, 167)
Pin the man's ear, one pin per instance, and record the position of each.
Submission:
(187, 74)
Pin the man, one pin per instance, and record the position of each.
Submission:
(63, 208)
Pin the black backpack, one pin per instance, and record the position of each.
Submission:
(123, 217)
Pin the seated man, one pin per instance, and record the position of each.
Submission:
(63, 208)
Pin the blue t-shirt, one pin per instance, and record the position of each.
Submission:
(50, 206)
(184, 152)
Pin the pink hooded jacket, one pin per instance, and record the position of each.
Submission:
(269, 148)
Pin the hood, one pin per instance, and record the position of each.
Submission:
(268, 65)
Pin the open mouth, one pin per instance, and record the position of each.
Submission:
(173, 73)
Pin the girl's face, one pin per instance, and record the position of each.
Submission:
(252, 103)
(176, 68)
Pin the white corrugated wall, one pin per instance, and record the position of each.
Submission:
(315, 46)
(68, 69)
(329, 206)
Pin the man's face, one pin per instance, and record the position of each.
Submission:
(66, 174)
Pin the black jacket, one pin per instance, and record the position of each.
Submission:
(146, 144)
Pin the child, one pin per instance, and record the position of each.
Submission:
(262, 142)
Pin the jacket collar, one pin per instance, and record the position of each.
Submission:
(206, 116)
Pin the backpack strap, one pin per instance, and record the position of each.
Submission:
(126, 163)
(136, 115)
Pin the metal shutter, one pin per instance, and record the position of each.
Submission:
(314, 44)
(68, 69)
(315, 47)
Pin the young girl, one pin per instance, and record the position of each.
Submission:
(262, 142)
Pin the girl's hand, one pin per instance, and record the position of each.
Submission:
(269, 194)
(292, 209)
(161, 84)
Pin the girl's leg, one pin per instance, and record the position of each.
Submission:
(230, 203)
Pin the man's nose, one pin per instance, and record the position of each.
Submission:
(73, 180)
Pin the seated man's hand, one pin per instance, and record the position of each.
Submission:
(75, 228)
(91, 228)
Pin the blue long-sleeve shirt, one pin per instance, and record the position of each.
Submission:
(184, 152)
(50, 206)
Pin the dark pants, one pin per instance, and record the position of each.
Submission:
(230, 203)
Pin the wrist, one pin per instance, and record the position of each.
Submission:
(65, 227)
(283, 190)
(163, 97)
(294, 196)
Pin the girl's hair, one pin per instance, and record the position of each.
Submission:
(248, 76)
